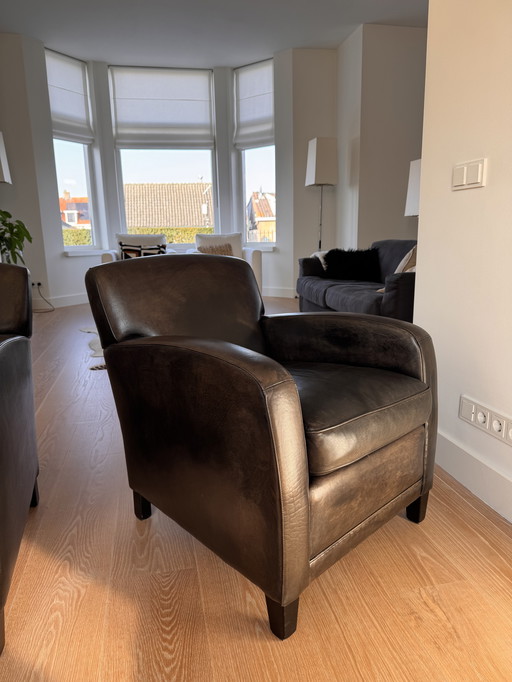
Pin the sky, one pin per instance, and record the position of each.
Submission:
(157, 165)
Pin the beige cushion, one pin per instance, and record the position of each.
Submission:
(141, 239)
(217, 249)
(234, 239)
(408, 262)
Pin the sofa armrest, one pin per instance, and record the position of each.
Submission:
(109, 256)
(398, 297)
(214, 430)
(311, 267)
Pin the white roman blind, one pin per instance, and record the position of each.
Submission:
(156, 107)
(254, 105)
(69, 97)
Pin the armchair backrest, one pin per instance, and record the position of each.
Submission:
(15, 300)
(177, 295)
(391, 252)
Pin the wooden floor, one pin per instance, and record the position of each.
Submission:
(99, 596)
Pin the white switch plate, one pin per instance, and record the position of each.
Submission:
(469, 175)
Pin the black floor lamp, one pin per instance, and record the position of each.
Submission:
(322, 169)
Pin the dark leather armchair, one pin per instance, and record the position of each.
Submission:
(18, 455)
(280, 442)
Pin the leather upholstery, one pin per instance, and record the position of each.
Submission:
(281, 441)
(375, 407)
(18, 458)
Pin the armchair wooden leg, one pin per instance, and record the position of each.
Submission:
(416, 510)
(35, 495)
(142, 507)
(282, 619)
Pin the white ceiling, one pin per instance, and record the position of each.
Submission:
(197, 33)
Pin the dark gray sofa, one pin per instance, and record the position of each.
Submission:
(318, 293)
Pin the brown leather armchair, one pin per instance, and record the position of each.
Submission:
(280, 442)
(18, 454)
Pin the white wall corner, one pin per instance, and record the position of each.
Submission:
(484, 481)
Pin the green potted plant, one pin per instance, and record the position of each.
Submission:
(13, 234)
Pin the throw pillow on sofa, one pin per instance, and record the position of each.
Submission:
(408, 262)
(352, 264)
(137, 250)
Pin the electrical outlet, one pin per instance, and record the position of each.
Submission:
(482, 417)
(486, 419)
(497, 425)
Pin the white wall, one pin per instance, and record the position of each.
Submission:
(33, 196)
(23, 198)
(305, 86)
(350, 71)
(463, 289)
(381, 83)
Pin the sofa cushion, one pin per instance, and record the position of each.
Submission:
(408, 262)
(232, 238)
(349, 412)
(354, 297)
(136, 250)
(314, 288)
(217, 249)
(141, 239)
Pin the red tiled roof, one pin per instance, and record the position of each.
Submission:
(264, 205)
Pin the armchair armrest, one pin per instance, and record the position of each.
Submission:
(351, 338)
(214, 431)
(364, 340)
(16, 300)
(398, 297)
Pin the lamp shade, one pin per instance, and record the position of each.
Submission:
(5, 175)
(322, 164)
(412, 203)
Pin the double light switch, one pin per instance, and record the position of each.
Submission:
(470, 174)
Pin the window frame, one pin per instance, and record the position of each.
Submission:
(175, 142)
(177, 246)
(246, 140)
(90, 184)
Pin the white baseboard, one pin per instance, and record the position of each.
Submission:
(279, 292)
(59, 301)
(490, 485)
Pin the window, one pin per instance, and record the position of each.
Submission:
(168, 191)
(163, 128)
(260, 194)
(73, 136)
(254, 138)
(72, 181)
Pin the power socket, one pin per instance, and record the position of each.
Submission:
(486, 419)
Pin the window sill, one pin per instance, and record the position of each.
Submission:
(85, 252)
(81, 252)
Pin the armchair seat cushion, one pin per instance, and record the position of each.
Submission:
(350, 412)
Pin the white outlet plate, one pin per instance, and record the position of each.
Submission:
(486, 419)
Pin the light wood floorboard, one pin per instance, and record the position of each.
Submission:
(99, 596)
